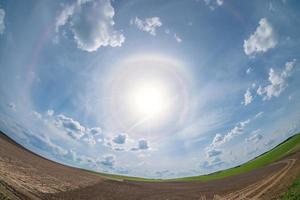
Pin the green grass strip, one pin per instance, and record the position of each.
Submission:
(285, 148)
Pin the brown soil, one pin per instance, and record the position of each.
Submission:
(25, 175)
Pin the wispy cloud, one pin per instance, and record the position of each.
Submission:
(248, 98)
(148, 25)
(2, 22)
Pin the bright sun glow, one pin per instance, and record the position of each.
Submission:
(147, 92)
(149, 100)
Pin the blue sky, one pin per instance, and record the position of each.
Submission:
(150, 88)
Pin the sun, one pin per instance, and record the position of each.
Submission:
(149, 99)
(146, 93)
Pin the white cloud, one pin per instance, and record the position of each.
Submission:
(213, 4)
(142, 145)
(120, 139)
(89, 139)
(248, 71)
(261, 40)
(270, 142)
(214, 163)
(248, 98)
(108, 160)
(73, 128)
(271, 7)
(259, 115)
(218, 138)
(37, 115)
(213, 152)
(56, 148)
(92, 24)
(43, 141)
(220, 2)
(2, 24)
(278, 82)
(95, 131)
(148, 25)
(50, 113)
(177, 38)
(237, 130)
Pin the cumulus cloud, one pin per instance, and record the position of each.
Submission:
(213, 4)
(91, 23)
(148, 25)
(261, 40)
(95, 131)
(12, 106)
(213, 152)
(71, 127)
(120, 139)
(248, 98)
(74, 128)
(2, 24)
(211, 164)
(89, 139)
(142, 145)
(237, 130)
(218, 138)
(108, 160)
(278, 82)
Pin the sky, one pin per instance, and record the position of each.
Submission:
(155, 89)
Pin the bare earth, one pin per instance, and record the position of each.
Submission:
(24, 175)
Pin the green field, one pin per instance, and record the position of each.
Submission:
(288, 146)
(293, 192)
